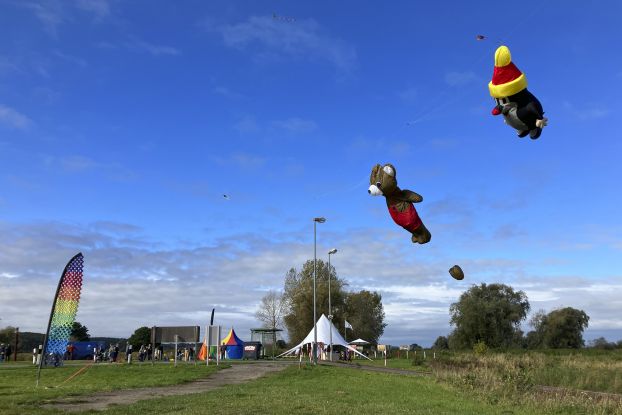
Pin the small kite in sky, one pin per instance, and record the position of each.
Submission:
(480, 37)
(226, 197)
(282, 18)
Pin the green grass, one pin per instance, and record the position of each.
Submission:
(327, 390)
(18, 394)
(460, 384)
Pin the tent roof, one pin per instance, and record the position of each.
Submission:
(323, 336)
(232, 339)
(359, 341)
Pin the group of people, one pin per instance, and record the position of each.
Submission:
(5, 352)
(111, 354)
(323, 350)
(185, 354)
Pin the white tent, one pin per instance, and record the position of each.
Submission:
(359, 342)
(323, 336)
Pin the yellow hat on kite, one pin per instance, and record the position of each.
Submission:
(507, 79)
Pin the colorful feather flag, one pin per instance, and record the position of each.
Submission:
(63, 314)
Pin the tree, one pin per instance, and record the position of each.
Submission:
(298, 297)
(441, 343)
(487, 313)
(270, 313)
(364, 311)
(271, 310)
(534, 339)
(7, 335)
(79, 333)
(602, 343)
(562, 328)
(141, 336)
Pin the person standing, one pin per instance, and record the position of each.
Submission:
(128, 353)
(7, 353)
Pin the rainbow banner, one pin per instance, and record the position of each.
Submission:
(63, 314)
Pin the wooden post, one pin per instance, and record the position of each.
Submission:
(16, 340)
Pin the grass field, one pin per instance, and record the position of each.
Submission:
(18, 394)
(495, 383)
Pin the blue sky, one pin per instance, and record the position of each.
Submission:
(122, 124)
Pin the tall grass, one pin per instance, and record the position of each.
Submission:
(520, 377)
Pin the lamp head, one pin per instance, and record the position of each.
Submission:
(332, 251)
(320, 220)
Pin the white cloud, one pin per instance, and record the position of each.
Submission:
(13, 118)
(100, 8)
(156, 50)
(246, 160)
(77, 163)
(296, 125)
(587, 112)
(460, 78)
(82, 164)
(241, 160)
(229, 93)
(269, 39)
(366, 145)
(50, 13)
(8, 275)
(70, 58)
(134, 280)
(409, 95)
(246, 125)
(7, 65)
(53, 13)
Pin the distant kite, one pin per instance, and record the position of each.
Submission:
(226, 197)
(282, 18)
(480, 37)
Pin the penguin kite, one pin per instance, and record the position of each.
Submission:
(519, 107)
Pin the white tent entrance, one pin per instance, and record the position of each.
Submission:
(324, 327)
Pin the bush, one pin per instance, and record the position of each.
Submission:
(480, 348)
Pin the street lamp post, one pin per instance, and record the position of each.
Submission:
(330, 313)
(315, 222)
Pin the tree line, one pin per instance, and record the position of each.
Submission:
(292, 308)
(490, 315)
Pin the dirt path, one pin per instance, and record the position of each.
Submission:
(234, 375)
